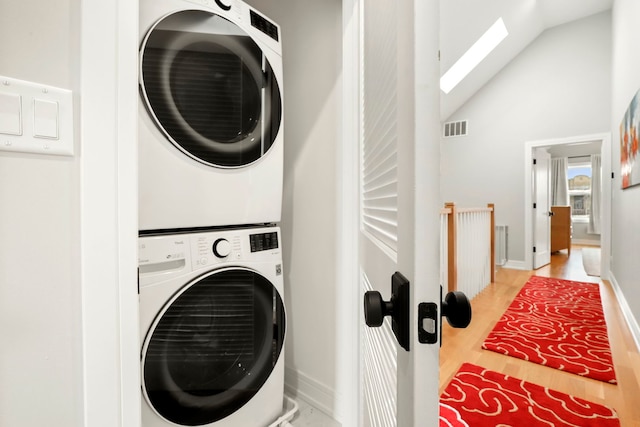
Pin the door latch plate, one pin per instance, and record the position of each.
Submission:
(428, 323)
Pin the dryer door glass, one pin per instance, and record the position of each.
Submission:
(213, 347)
(210, 89)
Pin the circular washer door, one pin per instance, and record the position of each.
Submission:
(213, 346)
(210, 89)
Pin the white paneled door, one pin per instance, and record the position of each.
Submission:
(542, 208)
(399, 204)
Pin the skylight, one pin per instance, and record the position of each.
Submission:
(472, 57)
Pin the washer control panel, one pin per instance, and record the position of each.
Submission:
(234, 245)
(177, 253)
(211, 248)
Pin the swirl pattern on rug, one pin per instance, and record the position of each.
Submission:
(556, 323)
(478, 397)
(450, 417)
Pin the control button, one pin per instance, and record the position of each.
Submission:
(10, 114)
(221, 248)
(45, 119)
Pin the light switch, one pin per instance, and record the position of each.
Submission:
(10, 114)
(35, 118)
(45, 119)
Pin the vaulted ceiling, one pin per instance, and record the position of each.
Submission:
(462, 22)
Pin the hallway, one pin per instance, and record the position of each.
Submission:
(464, 345)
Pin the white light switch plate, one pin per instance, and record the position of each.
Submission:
(44, 118)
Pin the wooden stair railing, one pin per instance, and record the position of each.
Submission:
(453, 214)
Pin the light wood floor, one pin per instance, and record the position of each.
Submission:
(464, 345)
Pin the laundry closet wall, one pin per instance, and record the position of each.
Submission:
(312, 56)
(40, 294)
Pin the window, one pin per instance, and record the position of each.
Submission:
(579, 177)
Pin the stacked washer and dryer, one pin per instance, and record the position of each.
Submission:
(212, 316)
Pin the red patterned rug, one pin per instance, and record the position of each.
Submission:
(478, 397)
(557, 323)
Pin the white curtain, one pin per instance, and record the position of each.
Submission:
(596, 191)
(559, 183)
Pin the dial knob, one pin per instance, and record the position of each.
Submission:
(221, 248)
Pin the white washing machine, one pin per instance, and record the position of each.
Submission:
(212, 326)
(210, 115)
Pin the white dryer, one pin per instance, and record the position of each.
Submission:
(212, 326)
(210, 115)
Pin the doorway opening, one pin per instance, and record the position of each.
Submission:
(556, 145)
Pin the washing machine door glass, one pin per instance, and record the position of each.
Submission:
(213, 346)
(210, 89)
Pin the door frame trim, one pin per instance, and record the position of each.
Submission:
(605, 236)
(107, 97)
(348, 393)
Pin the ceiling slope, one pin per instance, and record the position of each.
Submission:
(462, 22)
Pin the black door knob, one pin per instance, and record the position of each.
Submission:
(457, 309)
(375, 308)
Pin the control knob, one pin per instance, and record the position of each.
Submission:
(221, 248)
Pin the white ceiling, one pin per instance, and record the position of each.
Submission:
(462, 22)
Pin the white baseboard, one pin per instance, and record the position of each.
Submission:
(586, 242)
(515, 265)
(299, 385)
(626, 311)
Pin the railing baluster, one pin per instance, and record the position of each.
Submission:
(452, 268)
(467, 248)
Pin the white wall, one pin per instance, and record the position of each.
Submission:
(40, 313)
(312, 42)
(625, 241)
(581, 236)
(559, 86)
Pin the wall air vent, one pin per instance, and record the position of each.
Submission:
(458, 128)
